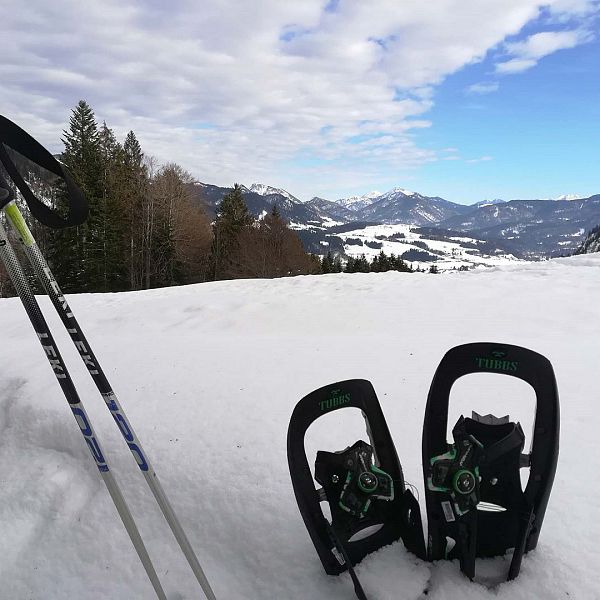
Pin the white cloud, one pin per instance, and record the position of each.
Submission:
(515, 65)
(480, 159)
(236, 91)
(563, 10)
(528, 52)
(483, 88)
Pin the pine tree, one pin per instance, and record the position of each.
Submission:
(374, 266)
(112, 211)
(138, 207)
(397, 264)
(327, 263)
(331, 264)
(76, 254)
(232, 218)
(337, 266)
(362, 264)
(384, 262)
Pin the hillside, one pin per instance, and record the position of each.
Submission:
(591, 242)
(209, 375)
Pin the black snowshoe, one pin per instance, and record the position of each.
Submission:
(476, 506)
(363, 484)
(475, 503)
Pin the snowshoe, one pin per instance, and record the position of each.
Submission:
(363, 484)
(476, 506)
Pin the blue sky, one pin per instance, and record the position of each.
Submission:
(539, 131)
(465, 99)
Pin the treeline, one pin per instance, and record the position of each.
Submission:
(143, 230)
(379, 264)
(243, 247)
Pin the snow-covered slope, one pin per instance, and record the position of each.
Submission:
(568, 197)
(328, 211)
(492, 202)
(403, 206)
(267, 190)
(357, 203)
(419, 247)
(209, 375)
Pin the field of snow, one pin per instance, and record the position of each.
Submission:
(453, 254)
(209, 374)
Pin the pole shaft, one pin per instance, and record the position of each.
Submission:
(23, 289)
(44, 274)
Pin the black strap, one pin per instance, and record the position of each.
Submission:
(467, 538)
(358, 589)
(527, 520)
(509, 442)
(12, 136)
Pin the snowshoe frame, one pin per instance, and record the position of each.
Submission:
(478, 533)
(401, 517)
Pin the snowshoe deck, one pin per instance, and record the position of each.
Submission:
(472, 486)
(363, 484)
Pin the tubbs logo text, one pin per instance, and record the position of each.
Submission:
(337, 399)
(497, 364)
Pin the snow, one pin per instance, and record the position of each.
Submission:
(485, 203)
(568, 197)
(399, 190)
(358, 202)
(264, 190)
(209, 374)
(328, 222)
(452, 254)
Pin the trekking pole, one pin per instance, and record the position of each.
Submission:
(44, 275)
(21, 285)
(29, 147)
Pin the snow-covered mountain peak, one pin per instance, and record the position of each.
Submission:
(358, 201)
(493, 202)
(265, 190)
(568, 197)
(370, 195)
(399, 190)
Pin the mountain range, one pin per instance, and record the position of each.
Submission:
(526, 229)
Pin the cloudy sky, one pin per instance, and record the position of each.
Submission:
(466, 99)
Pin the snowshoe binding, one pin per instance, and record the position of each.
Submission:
(476, 506)
(363, 484)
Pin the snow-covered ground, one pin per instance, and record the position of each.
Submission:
(209, 375)
(451, 254)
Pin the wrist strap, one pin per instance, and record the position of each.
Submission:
(15, 138)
